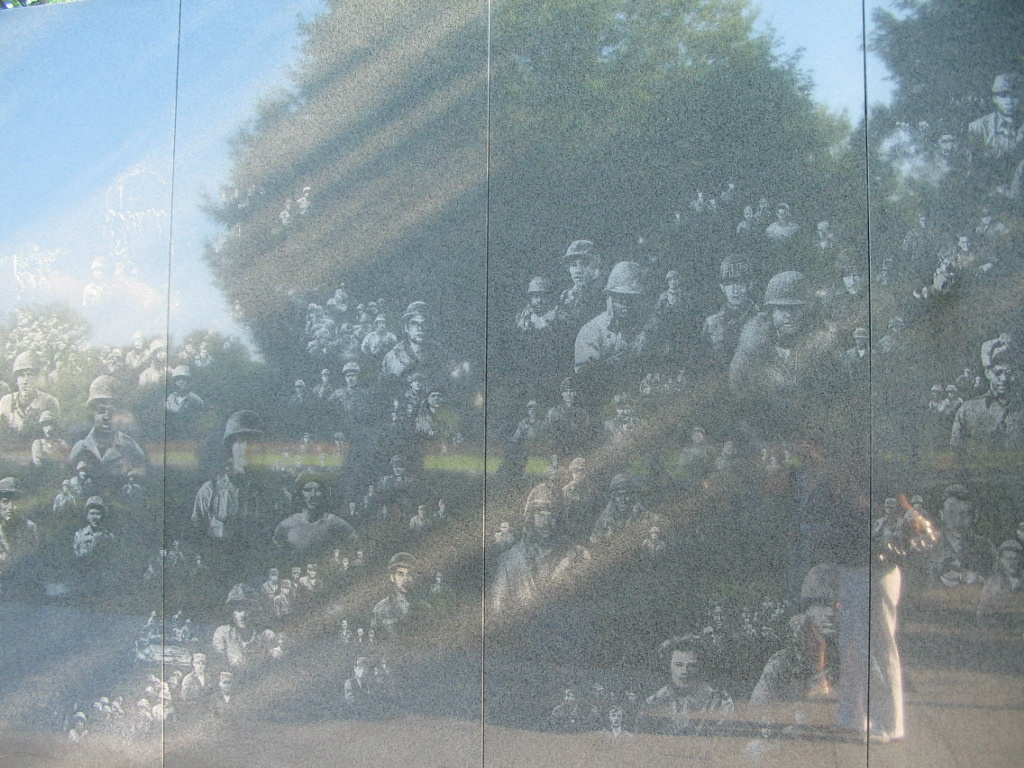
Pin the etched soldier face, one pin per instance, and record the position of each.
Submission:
(824, 616)
(103, 415)
(748, 213)
(624, 500)
(505, 527)
(582, 271)
(273, 575)
(569, 396)
(541, 302)
(964, 242)
(27, 383)
(199, 663)
(434, 399)
(351, 379)
(1006, 103)
(531, 409)
(1009, 562)
(615, 717)
(94, 516)
(788, 321)
(6, 508)
(735, 293)
(239, 449)
(312, 496)
(683, 667)
(782, 214)
(624, 307)
(239, 617)
(999, 379)
(853, 283)
(542, 521)
(402, 578)
(415, 329)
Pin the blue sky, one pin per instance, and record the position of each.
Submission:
(88, 107)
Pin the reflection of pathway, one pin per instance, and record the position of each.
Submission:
(964, 706)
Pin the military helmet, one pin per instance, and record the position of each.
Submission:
(861, 333)
(243, 424)
(848, 263)
(181, 372)
(567, 385)
(308, 476)
(415, 309)
(241, 595)
(102, 388)
(624, 482)
(402, 560)
(580, 249)
(96, 502)
(47, 417)
(539, 285)
(821, 583)
(786, 289)
(625, 277)
(352, 365)
(1008, 81)
(9, 487)
(734, 270)
(540, 498)
(26, 361)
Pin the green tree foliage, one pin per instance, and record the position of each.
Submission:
(590, 118)
(943, 55)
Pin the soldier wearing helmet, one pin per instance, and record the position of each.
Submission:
(112, 453)
(722, 329)
(380, 340)
(527, 568)
(229, 502)
(584, 299)
(617, 340)
(807, 667)
(542, 314)
(781, 367)
(624, 509)
(20, 410)
(182, 403)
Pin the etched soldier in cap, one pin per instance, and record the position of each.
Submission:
(417, 352)
(93, 539)
(393, 614)
(568, 425)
